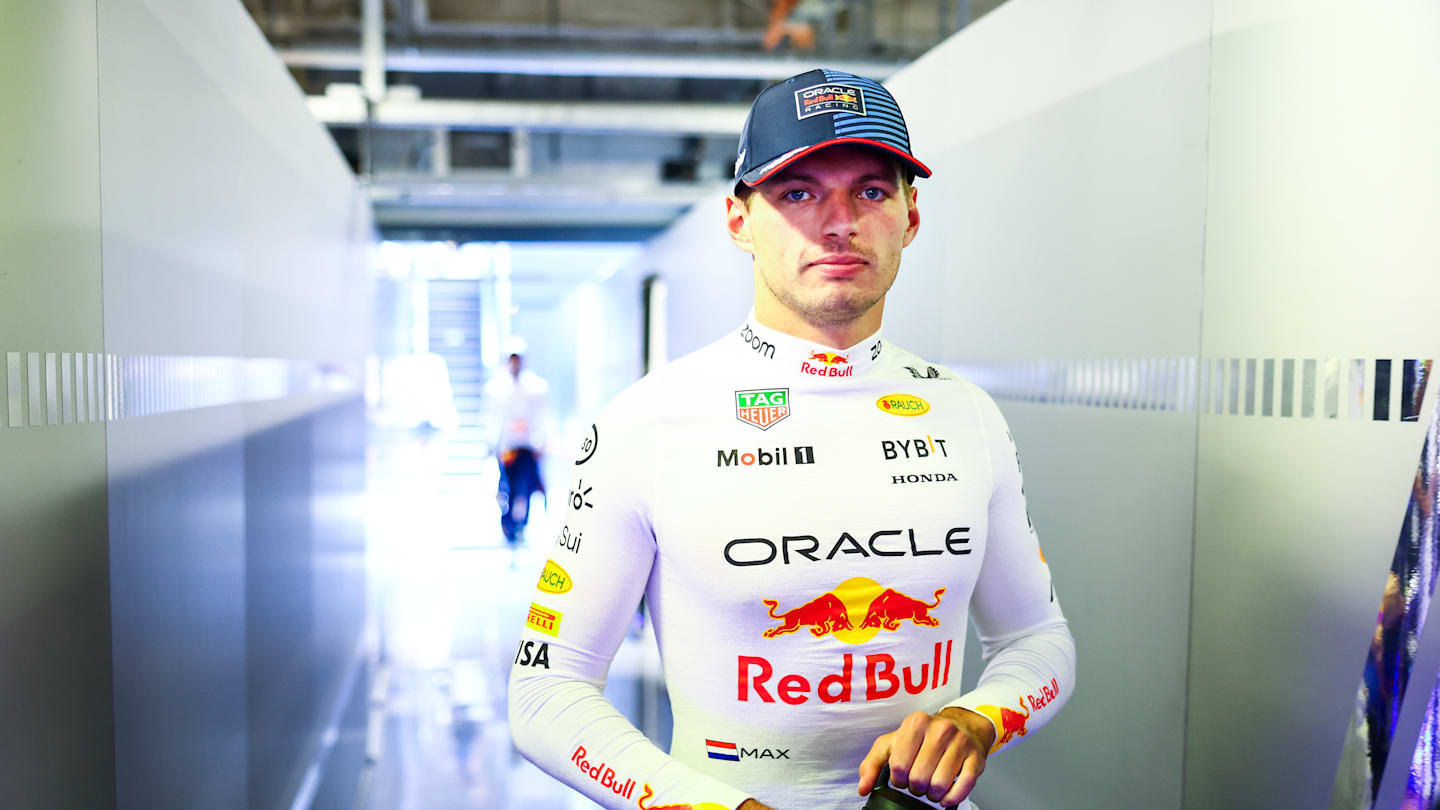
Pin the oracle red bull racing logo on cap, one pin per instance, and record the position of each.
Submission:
(762, 407)
(827, 364)
(819, 99)
(854, 612)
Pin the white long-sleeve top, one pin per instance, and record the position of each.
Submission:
(810, 530)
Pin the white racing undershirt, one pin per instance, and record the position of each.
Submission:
(810, 530)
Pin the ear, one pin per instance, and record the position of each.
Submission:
(912, 214)
(737, 222)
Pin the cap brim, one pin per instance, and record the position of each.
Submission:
(764, 171)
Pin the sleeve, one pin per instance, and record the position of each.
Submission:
(1028, 650)
(586, 597)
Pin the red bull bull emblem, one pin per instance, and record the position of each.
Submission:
(827, 364)
(649, 793)
(1009, 723)
(854, 612)
(762, 407)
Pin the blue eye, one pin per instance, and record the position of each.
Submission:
(879, 193)
(792, 192)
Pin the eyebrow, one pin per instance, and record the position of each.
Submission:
(864, 178)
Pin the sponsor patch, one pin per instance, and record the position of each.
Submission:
(827, 364)
(554, 579)
(831, 97)
(580, 496)
(780, 456)
(587, 447)
(533, 654)
(650, 794)
(902, 404)
(566, 540)
(762, 407)
(1009, 723)
(730, 752)
(544, 619)
(722, 750)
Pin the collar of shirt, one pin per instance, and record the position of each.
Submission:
(788, 354)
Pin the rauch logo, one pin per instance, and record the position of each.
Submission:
(902, 404)
(554, 579)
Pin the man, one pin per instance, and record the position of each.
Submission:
(811, 514)
(517, 403)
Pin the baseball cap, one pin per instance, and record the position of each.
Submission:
(816, 109)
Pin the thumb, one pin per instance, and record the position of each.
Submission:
(872, 763)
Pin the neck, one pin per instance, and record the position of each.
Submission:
(771, 313)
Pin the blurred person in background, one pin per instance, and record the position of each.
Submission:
(518, 404)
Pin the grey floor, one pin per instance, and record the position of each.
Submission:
(449, 601)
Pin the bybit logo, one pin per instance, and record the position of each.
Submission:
(918, 447)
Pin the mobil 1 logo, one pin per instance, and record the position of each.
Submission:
(780, 456)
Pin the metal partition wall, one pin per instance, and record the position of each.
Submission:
(183, 311)
(1189, 247)
(55, 686)
(1321, 287)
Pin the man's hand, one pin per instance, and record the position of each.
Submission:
(929, 751)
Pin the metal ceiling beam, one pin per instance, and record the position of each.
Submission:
(397, 110)
(558, 63)
(493, 198)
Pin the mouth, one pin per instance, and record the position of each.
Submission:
(841, 265)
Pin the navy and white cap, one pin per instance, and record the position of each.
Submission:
(816, 109)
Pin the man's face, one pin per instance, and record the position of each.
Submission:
(827, 232)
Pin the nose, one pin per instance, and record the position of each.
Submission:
(838, 215)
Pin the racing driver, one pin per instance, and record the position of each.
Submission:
(811, 515)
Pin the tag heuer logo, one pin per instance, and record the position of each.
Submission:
(762, 407)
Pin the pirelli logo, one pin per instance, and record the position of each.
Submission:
(544, 619)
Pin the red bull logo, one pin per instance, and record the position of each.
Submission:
(823, 615)
(884, 677)
(649, 793)
(827, 364)
(892, 607)
(854, 612)
(603, 775)
(1009, 723)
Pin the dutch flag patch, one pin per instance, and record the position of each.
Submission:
(722, 750)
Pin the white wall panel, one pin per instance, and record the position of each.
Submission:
(1324, 192)
(56, 692)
